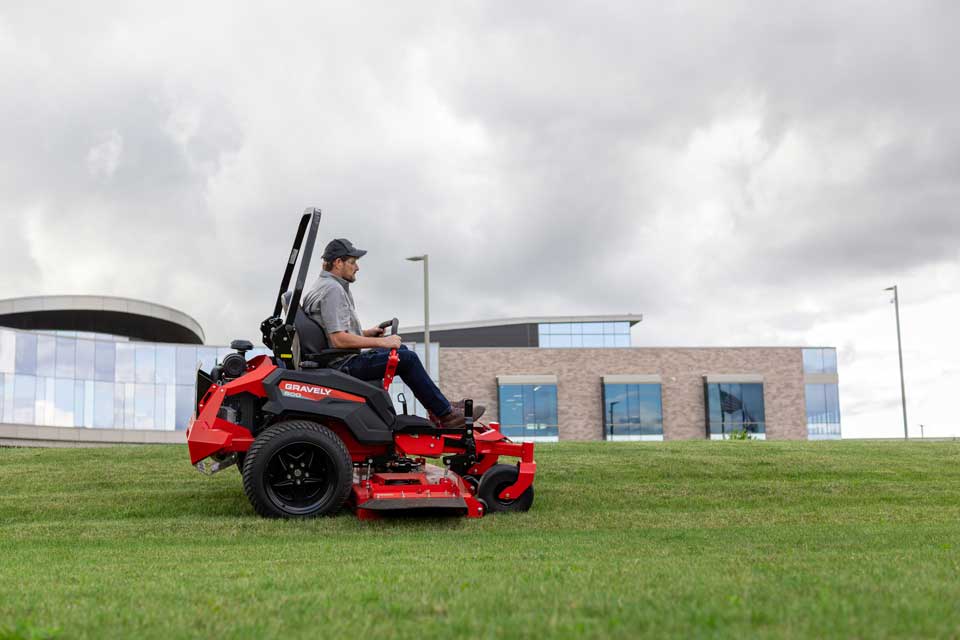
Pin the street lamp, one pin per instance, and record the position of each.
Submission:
(903, 391)
(425, 258)
(611, 417)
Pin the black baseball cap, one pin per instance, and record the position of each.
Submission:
(341, 248)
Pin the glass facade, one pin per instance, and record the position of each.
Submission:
(529, 411)
(820, 360)
(823, 411)
(78, 379)
(632, 412)
(734, 407)
(584, 334)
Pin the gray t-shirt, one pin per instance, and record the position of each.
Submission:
(331, 304)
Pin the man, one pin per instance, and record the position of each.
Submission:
(330, 303)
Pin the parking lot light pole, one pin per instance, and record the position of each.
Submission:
(611, 417)
(903, 391)
(425, 259)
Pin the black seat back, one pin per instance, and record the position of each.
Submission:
(313, 340)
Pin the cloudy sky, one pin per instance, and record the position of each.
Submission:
(742, 173)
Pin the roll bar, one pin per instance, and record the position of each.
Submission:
(278, 332)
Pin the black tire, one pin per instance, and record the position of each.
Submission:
(297, 469)
(496, 479)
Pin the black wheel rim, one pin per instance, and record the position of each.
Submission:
(300, 477)
(499, 488)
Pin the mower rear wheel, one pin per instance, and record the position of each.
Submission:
(496, 479)
(297, 469)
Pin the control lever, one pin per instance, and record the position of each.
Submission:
(394, 359)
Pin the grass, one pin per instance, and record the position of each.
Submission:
(693, 539)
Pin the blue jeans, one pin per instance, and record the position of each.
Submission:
(372, 364)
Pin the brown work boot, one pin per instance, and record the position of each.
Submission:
(478, 409)
(453, 420)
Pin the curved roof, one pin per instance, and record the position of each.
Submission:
(134, 319)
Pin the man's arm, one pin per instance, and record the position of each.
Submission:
(345, 340)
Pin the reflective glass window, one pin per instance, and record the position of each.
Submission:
(546, 341)
(816, 403)
(105, 359)
(528, 411)
(186, 405)
(622, 340)
(129, 405)
(610, 327)
(118, 405)
(544, 329)
(64, 398)
(593, 340)
(66, 357)
(8, 383)
(103, 405)
(561, 340)
(829, 360)
(735, 407)
(8, 351)
(170, 407)
(45, 413)
(85, 359)
(144, 406)
(632, 410)
(24, 398)
(186, 365)
(593, 328)
(207, 357)
(46, 355)
(813, 361)
(126, 362)
(159, 399)
(79, 395)
(166, 364)
(146, 363)
(823, 410)
(88, 389)
(26, 360)
(831, 393)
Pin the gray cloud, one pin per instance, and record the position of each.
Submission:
(738, 172)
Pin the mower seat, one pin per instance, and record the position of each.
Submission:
(311, 343)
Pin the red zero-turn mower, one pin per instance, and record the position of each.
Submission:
(308, 438)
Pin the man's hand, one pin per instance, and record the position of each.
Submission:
(390, 342)
(374, 332)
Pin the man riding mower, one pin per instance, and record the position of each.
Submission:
(309, 437)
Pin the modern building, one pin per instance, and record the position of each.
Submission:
(106, 370)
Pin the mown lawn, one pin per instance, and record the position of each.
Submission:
(701, 539)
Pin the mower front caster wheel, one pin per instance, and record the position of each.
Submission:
(297, 469)
(496, 479)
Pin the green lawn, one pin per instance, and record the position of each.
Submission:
(704, 539)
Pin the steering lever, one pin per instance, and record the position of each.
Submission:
(394, 358)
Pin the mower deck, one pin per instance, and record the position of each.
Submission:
(433, 489)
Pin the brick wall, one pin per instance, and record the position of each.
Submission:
(471, 373)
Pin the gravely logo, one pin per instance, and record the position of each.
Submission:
(302, 390)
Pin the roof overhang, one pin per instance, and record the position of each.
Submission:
(133, 319)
